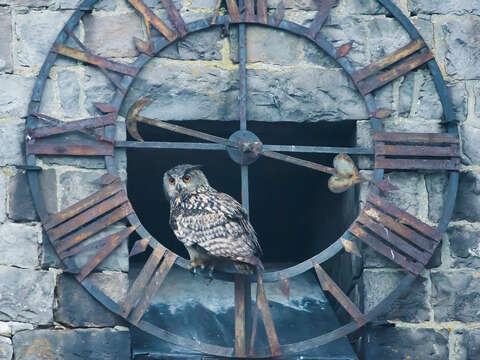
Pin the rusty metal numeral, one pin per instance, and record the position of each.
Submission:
(329, 285)
(321, 17)
(417, 151)
(38, 142)
(233, 11)
(262, 14)
(154, 20)
(175, 18)
(147, 283)
(262, 306)
(369, 78)
(396, 234)
(242, 294)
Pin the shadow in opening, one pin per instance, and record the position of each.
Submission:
(292, 210)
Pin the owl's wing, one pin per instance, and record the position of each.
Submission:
(217, 223)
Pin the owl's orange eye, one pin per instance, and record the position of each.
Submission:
(186, 178)
(171, 180)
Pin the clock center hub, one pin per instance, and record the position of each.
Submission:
(249, 147)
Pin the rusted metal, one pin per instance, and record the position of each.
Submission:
(215, 12)
(262, 13)
(135, 291)
(416, 138)
(153, 19)
(321, 17)
(94, 227)
(111, 243)
(233, 11)
(384, 185)
(153, 286)
(368, 85)
(249, 11)
(175, 17)
(82, 205)
(401, 229)
(72, 126)
(329, 285)
(94, 60)
(404, 217)
(47, 147)
(105, 107)
(412, 266)
(416, 150)
(144, 46)
(262, 304)
(241, 282)
(412, 151)
(140, 246)
(344, 50)
(395, 240)
(279, 13)
(388, 60)
(381, 113)
(87, 216)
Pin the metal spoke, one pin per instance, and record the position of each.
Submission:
(244, 175)
(299, 162)
(242, 58)
(217, 146)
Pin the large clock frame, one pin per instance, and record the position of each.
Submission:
(413, 241)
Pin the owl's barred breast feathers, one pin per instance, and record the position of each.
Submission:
(216, 223)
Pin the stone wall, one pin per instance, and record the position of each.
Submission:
(44, 314)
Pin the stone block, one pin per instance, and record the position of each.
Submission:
(77, 308)
(412, 195)
(437, 194)
(203, 45)
(10, 328)
(461, 34)
(456, 296)
(97, 88)
(470, 137)
(105, 5)
(412, 307)
(12, 133)
(458, 7)
(294, 4)
(6, 349)
(3, 194)
(19, 244)
(395, 343)
(69, 88)
(269, 46)
(20, 202)
(112, 35)
(31, 48)
(75, 185)
(85, 344)
(467, 205)
(13, 102)
(467, 344)
(464, 241)
(369, 7)
(6, 61)
(27, 295)
(28, 3)
(419, 98)
(385, 36)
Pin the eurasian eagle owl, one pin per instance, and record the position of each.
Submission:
(212, 225)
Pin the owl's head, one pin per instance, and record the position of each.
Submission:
(183, 179)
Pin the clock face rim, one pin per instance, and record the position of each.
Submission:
(326, 254)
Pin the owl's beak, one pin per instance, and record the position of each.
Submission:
(178, 187)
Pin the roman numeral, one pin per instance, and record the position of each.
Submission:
(262, 305)
(68, 229)
(321, 17)
(86, 56)
(369, 78)
(38, 141)
(147, 283)
(396, 234)
(233, 11)
(417, 151)
(157, 23)
(329, 285)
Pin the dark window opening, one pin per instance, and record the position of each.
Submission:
(292, 210)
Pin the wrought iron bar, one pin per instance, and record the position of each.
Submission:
(207, 146)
